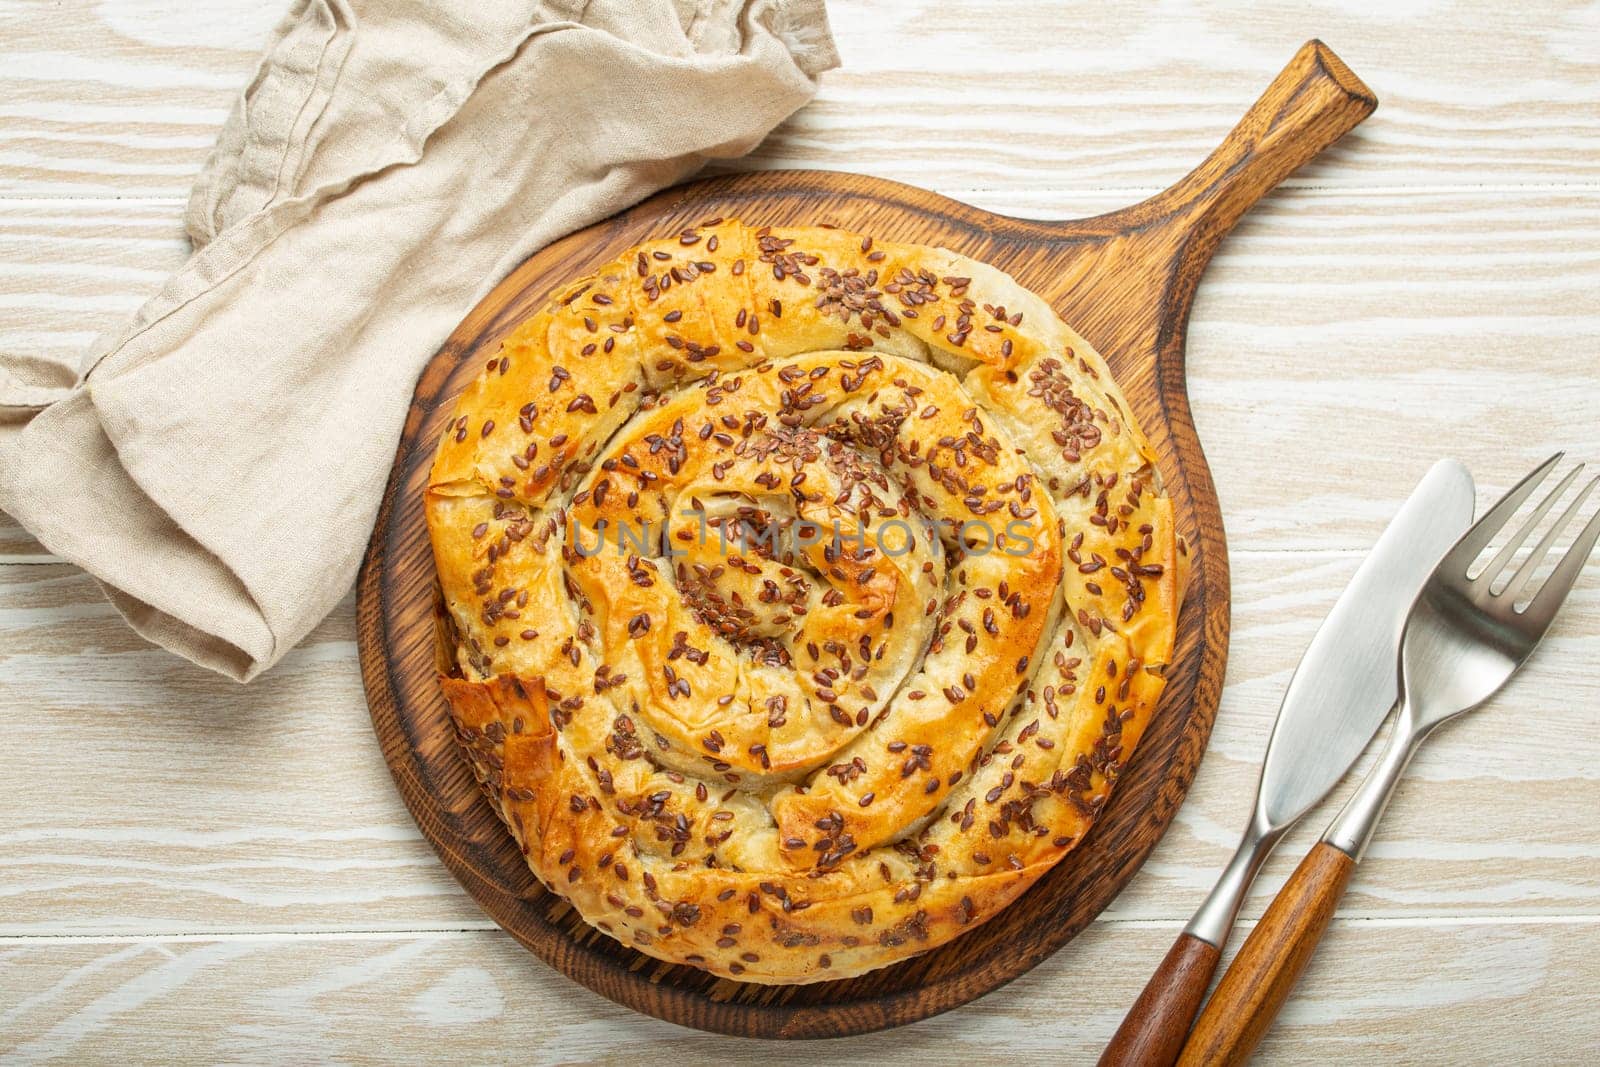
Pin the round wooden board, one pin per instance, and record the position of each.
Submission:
(1125, 281)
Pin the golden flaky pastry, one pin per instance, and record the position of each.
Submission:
(808, 593)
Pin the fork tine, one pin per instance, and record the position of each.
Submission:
(1503, 558)
(1542, 609)
(1536, 557)
(1459, 558)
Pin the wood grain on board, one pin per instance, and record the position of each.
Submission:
(1126, 281)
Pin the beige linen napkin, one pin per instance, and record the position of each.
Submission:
(218, 463)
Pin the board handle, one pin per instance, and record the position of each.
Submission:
(1313, 102)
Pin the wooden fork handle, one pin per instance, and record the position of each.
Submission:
(1259, 979)
(1152, 1033)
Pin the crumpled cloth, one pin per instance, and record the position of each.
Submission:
(218, 463)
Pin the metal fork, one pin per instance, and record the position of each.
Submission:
(1463, 639)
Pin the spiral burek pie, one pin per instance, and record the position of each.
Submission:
(807, 594)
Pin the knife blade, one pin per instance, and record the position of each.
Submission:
(1346, 679)
(1337, 698)
(1345, 684)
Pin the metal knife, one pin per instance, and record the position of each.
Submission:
(1341, 692)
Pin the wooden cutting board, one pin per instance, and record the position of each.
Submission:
(1125, 281)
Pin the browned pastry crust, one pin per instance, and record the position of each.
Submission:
(776, 755)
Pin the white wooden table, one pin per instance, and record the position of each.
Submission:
(192, 869)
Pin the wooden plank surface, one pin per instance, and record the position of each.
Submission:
(177, 848)
(123, 98)
(475, 997)
(18, 546)
(267, 807)
(1325, 317)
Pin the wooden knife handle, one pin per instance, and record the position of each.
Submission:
(1152, 1033)
(1261, 976)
